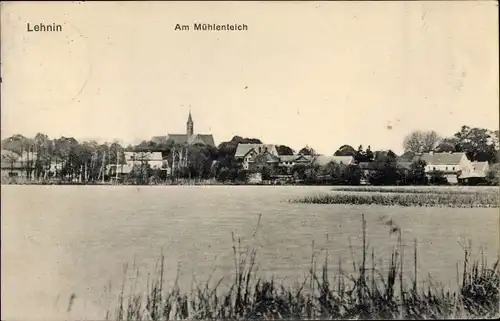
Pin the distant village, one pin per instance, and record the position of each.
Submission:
(470, 157)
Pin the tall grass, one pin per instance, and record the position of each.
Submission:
(366, 292)
(419, 189)
(421, 200)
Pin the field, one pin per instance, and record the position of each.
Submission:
(363, 293)
(409, 196)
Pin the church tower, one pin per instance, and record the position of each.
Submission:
(189, 126)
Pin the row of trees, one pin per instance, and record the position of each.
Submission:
(68, 159)
(87, 160)
(41, 156)
(479, 144)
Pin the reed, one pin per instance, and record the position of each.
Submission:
(419, 189)
(416, 200)
(365, 293)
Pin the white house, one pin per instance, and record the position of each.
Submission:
(154, 159)
(451, 164)
(479, 171)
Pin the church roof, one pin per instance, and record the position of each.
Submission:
(206, 139)
(181, 139)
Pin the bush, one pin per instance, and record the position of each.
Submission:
(493, 175)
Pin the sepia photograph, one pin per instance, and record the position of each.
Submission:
(223, 160)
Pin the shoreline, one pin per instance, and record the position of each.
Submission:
(337, 188)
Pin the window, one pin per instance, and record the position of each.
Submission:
(453, 167)
(446, 167)
(434, 168)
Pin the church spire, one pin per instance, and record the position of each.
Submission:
(189, 125)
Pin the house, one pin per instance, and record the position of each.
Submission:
(11, 165)
(247, 153)
(289, 161)
(322, 160)
(190, 138)
(259, 161)
(154, 159)
(481, 168)
(476, 175)
(243, 149)
(450, 164)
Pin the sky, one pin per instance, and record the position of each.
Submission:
(322, 74)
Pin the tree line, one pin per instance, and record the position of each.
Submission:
(87, 160)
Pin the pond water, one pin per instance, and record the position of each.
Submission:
(64, 240)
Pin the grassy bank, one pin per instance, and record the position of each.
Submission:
(362, 291)
(419, 189)
(470, 200)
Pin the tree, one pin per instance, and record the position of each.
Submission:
(311, 174)
(448, 145)
(385, 170)
(284, 150)
(331, 172)
(421, 141)
(416, 174)
(479, 144)
(200, 159)
(495, 139)
(352, 175)
(229, 148)
(437, 178)
(307, 151)
(493, 175)
(345, 150)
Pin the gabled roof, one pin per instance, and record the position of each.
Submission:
(288, 158)
(480, 166)
(266, 157)
(295, 158)
(180, 139)
(206, 139)
(442, 158)
(407, 156)
(322, 160)
(243, 149)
